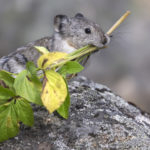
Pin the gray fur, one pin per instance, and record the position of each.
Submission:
(69, 35)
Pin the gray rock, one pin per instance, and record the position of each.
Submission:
(99, 120)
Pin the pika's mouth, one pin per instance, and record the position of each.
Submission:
(105, 40)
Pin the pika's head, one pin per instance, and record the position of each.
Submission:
(79, 31)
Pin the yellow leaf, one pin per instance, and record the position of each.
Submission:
(42, 49)
(47, 59)
(54, 90)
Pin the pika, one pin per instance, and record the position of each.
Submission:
(69, 34)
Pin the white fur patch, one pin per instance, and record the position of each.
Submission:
(66, 47)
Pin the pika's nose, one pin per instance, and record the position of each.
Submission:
(105, 40)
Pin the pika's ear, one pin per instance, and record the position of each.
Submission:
(60, 22)
(79, 15)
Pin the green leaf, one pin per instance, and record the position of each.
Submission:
(24, 112)
(70, 67)
(27, 89)
(30, 66)
(63, 110)
(9, 126)
(7, 78)
(42, 50)
(5, 93)
(2, 102)
(32, 69)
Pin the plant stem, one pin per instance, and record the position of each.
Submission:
(68, 58)
(78, 50)
(118, 22)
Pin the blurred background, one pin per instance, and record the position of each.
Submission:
(124, 66)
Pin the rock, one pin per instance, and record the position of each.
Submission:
(99, 120)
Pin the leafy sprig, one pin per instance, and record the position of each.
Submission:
(44, 85)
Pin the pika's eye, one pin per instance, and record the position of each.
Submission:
(87, 30)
